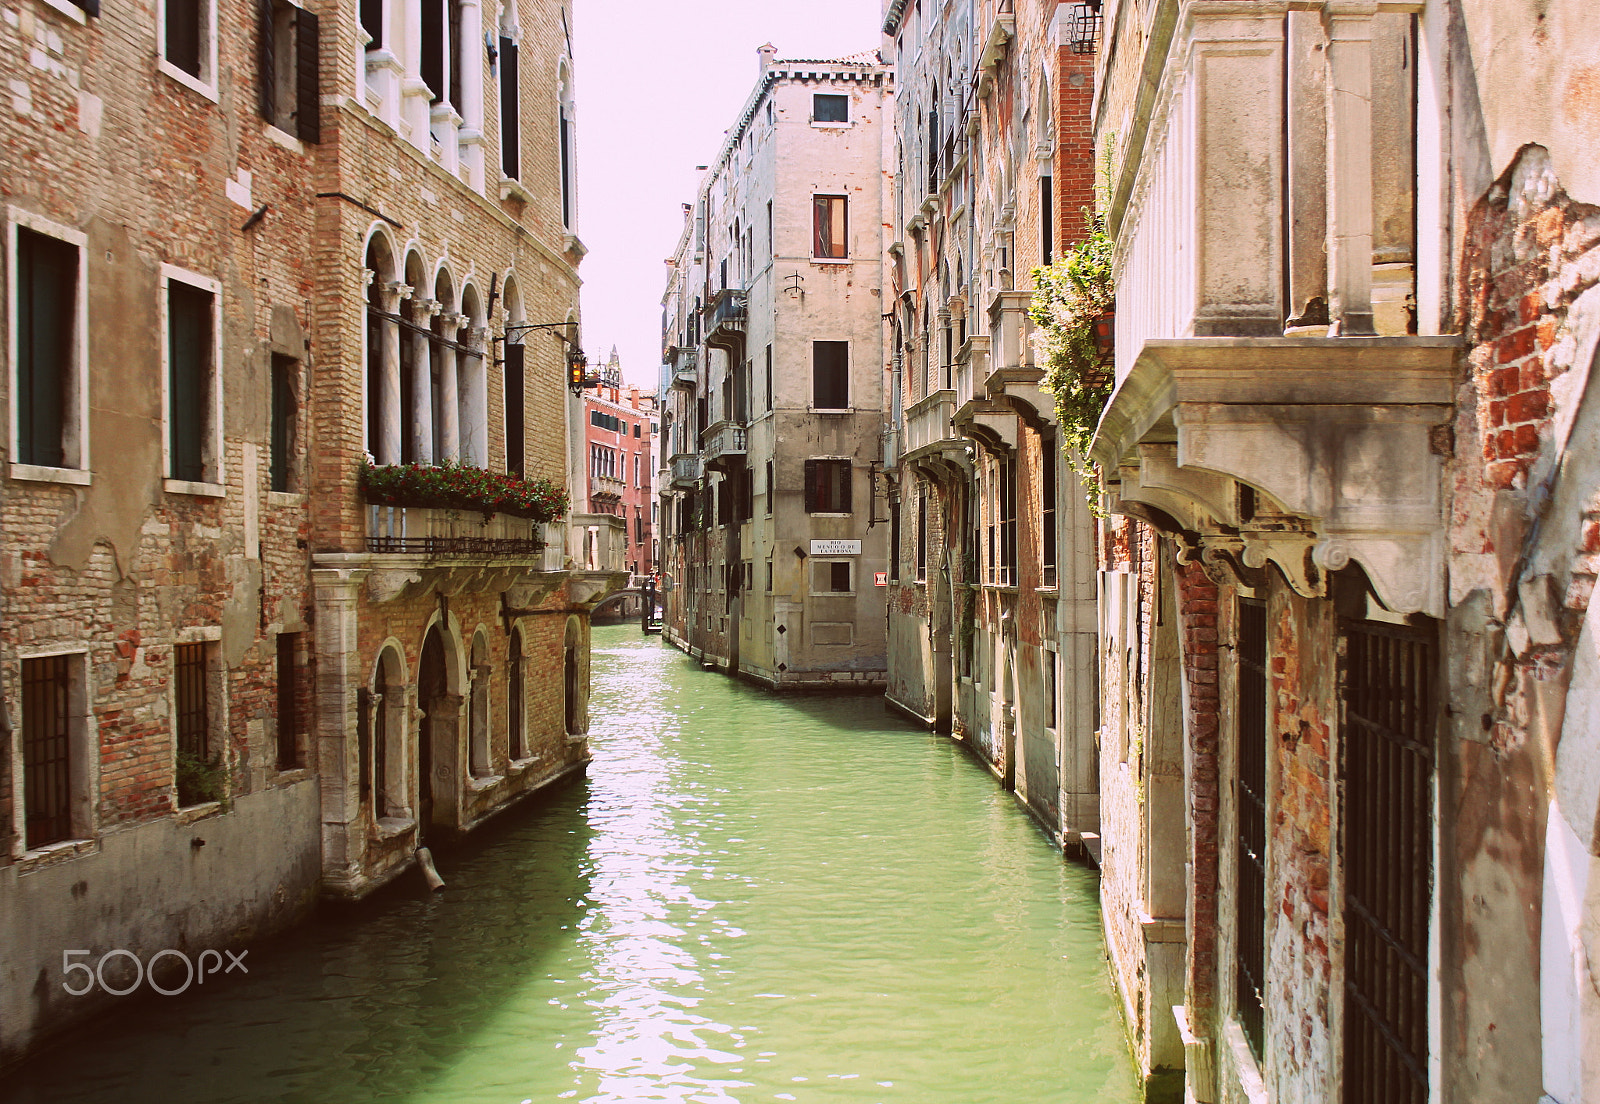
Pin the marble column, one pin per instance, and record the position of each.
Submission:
(448, 413)
(1349, 25)
(419, 420)
(388, 413)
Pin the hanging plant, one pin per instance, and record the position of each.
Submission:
(456, 486)
(1074, 303)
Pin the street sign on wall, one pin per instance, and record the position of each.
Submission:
(880, 578)
(836, 548)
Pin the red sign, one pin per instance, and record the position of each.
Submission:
(880, 578)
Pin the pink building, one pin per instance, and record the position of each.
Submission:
(621, 432)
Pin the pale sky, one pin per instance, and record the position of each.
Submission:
(658, 83)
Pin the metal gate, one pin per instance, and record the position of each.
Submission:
(1251, 812)
(1389, 696)
(46, 755)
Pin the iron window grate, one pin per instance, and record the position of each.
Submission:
(46, 751)
(1250, 789)
(1389, 696)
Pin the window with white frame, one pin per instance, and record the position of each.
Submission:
(48, 316)
(510, 110)
(829, 108)
(187, 35)
(830, 375)
(289, 43)
(191, 316)
(830, 228)
(832, 577)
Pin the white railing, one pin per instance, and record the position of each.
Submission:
(685, 470)
(724, 439)
(1009, 328)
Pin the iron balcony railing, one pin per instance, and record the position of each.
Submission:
(427, 531)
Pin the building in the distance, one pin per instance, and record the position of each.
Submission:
(620, 426)
(773, 508)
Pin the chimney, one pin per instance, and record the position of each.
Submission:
(767, 53)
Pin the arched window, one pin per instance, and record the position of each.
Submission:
(473, 392)
(514, 384)
(442, 384)
(564, 119)
(515, 719)
(383, 341)
(416, 367)
(382, 734)
(478, 761)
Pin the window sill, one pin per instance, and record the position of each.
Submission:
(513, 189)
(289, 776)
(53, 853)
(831, 126)
(38, 473)
(286, 499)
(72, 12)
(390, 827)
(477, 783)
(188, 814)
(188, 80)
(1245, 1067)
(830, 410)
(833, 594)
(822, 513)
(201, 490)
(832, 261)
(576, 738)
(284, 138)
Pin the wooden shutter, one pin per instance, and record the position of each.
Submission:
(842, 474)
(267, 60)
(515, 426)
(189, 359)
(453, 17)
(813, 486)
(830, 374)
(308, 84)
(183, 40)
(433, 48)
(47, 286)
(510, 103)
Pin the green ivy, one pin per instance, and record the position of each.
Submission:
(1069, 296)
(200, 780)
(455, 486)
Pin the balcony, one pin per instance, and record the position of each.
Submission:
(598, 543)
(685, 471)
(685, 361)
(723, 440)
(725, 314)
(1273, 400)
(434, 534)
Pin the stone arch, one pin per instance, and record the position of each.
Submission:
(438, 732)
(516, 696)
(386, 725)
(480, 762)
(575, 677)
(380, 409)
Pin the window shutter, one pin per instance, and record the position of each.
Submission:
(510, 102)
(843, 505)
(454, 18)
(515, 428)
(308, 62)
(266, 60)
(47, 285)
(812, 486)
(189, 334)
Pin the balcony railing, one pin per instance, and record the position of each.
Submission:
(928, 421)
(685, 366)
(724, 439)
(725, 313)
(685, 471)
(431, 532)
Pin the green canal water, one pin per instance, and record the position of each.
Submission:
(749, 898)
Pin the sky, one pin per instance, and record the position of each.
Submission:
(658, 82)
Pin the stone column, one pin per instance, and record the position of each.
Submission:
(415, 94)
(337, 594)
(1394, 130)
(1235, 77)
(1349, 24)
(419, 420)
(1308, 176)
(474, 400)
(471, 105)
(388, 413)
(448, 414)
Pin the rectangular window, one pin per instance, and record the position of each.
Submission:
(566, 170)
(289, 45)
(514, 393)
(636, 430)
(830, 109)
(1250, 805)
(894, 540)
(769, 574)
(827, 486)
(1047, 219)
(769, 377)
(1007, 498)
(772, 491)
(510, 112)
(830, 375)
(372, 22)
(1052, 664)
(186, 30)
(829, 227)
(285, 421)
(53, 770)
(198, 777)
(1050, 457)
(515, 710)
(193, 438)
(47, 353)
(830, 577)
(288, 702)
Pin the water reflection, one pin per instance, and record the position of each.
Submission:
(750, 899)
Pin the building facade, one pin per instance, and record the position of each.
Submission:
(243, 257)
(1352, 459)
(772, 502)
(992, 583)
(621, 426)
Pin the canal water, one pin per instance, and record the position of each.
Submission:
(749, 898)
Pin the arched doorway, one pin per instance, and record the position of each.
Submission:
(438, 722)
(575, 683)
